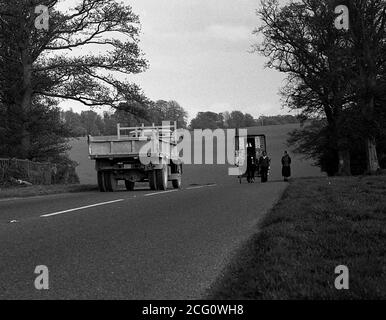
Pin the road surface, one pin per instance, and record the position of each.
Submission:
(129, 245)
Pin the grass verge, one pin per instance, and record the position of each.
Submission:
(31, 191)
(318, 225)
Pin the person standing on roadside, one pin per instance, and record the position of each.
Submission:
(286, 166)
(264, 164)
(251, 164)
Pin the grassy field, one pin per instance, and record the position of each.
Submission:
(318, 225)
(196, 174)
(193, 174)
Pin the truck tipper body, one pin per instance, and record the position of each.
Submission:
(137, 154)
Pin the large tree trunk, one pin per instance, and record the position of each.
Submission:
(371, 156)
(25, 100)
(344, 158)
(368, 75)
(344, 163)
(372, 162)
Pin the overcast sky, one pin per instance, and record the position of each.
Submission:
(199, 55)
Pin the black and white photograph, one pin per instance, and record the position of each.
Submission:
(193, 157)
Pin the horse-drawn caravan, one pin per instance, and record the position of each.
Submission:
(249, 145)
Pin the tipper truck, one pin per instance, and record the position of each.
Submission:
(137, 154)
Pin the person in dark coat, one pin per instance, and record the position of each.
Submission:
(264, 164)
(251, 164)
(286, 166)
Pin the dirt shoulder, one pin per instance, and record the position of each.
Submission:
(32, 191)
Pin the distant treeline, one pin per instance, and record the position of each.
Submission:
(237, 119)
(90, 122)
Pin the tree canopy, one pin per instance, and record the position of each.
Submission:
(333, 74)
(86, 55)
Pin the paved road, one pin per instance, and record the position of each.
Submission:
(128, 245)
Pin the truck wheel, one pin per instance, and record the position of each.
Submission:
(106, 181)
(101, 182)
(162, 178)
(177, 184)
(152, 180)
(110, 182)
(129, 185)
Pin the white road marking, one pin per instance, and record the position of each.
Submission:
(157, 193)
(200, 187)
(81, 208)
(110, 202)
